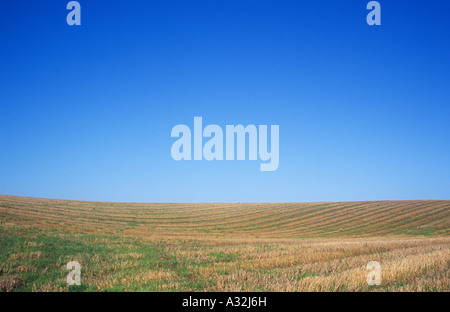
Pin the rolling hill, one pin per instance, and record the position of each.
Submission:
(329, 219)
(224, 247)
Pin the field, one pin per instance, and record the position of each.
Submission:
(224, 247)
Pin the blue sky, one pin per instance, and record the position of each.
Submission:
(86, 111)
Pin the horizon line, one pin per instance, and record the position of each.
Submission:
(237, 202)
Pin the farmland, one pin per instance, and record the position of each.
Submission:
(224, 247)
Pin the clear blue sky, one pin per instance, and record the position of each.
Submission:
(86, 112)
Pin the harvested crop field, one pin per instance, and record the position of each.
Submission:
(224, 247)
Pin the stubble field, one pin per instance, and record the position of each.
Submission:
(224, 247)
